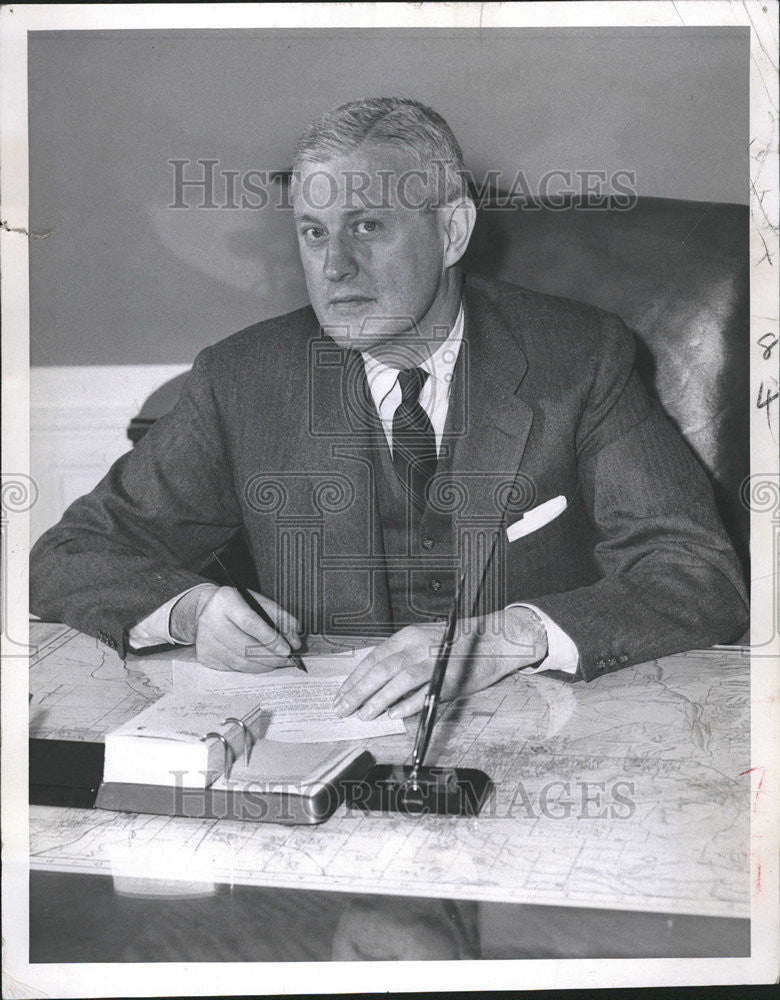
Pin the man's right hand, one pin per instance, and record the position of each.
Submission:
(230, 636)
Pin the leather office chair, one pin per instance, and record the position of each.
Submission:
(677, 273)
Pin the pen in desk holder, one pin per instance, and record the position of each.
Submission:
(248, 742)
(228, 762)
(416, 789)
(428, 716)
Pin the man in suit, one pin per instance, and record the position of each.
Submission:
(411, 427)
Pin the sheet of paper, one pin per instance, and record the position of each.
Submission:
(336, 664)
(299, 706)
(188, 714)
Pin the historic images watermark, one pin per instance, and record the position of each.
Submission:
(555, 799)
(204, 183)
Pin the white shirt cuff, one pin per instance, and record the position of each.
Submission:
(155, 629)
(562, 653)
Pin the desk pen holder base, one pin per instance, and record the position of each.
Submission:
(438, 791)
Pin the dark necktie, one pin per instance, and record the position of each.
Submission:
(414, 442)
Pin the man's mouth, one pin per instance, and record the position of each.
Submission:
(349, 300)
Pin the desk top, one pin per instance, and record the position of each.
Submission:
(628, 792)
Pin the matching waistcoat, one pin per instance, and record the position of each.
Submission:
(419, 548)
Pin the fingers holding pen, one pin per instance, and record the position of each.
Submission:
(248, 624)
(286, 624)
(230, 635)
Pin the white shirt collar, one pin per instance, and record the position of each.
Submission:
(440, 365)
(434, 397)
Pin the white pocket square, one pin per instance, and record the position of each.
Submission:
(536, 518)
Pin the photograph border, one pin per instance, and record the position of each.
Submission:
(761, 495)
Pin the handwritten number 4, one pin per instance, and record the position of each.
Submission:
(769, 398)
(764, 402)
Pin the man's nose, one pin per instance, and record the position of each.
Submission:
(339, 262)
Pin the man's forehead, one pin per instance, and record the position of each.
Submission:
(371, 157)
(374, 175)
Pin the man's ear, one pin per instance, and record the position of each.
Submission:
(458, 218)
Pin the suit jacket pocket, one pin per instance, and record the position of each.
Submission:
(555, 558)
(558, 525)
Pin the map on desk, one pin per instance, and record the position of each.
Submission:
(80, 689)
(629, 792)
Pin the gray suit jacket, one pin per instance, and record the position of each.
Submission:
(271, 437)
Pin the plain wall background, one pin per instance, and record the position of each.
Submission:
(123, 279)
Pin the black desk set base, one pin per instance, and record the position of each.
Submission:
(439, 791)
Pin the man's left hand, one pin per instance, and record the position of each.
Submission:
(395, 675)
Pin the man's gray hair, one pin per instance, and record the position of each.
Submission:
(394, 121)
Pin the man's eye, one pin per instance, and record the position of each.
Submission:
(367, 227)
(313, 233)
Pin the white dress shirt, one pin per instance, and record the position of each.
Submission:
(562, 653)
(435, 394)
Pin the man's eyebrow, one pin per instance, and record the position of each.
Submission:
(349, 214)
(366, 208)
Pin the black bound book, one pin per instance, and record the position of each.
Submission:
(65, 773)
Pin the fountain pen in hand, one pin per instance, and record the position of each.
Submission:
(258, 609)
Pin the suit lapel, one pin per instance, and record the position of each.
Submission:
(487, 430)
(343, 432)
